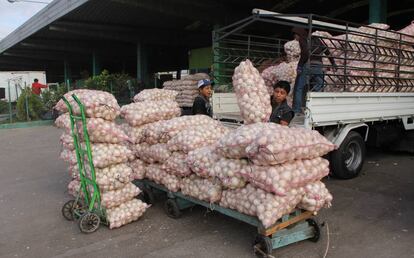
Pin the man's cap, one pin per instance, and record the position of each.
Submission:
(204, 82)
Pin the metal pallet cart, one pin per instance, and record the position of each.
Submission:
(86, 207)
(291, 228)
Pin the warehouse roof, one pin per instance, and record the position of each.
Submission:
(72, 30)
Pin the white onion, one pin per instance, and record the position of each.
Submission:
(156, 173)
(316, 197)
(155, 95)
(176, 164)
(138, 169)
(202, 160)
(152, 153)
(141, 113)
(279, 179)
(99, 104)
(115, 198)
(125, 213)
(248, 82)
(208, 190)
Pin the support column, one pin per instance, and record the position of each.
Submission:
(96, 66)
(141, 64)
(378, 11)
(66, 71)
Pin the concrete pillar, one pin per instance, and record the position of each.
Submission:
(378, 11)
(96, 64)
(141, 63)
(66, 71)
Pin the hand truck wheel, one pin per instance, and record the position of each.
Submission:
(171, 209)
(262, 246)
(67, 210)
(316, 230)
(89, 222)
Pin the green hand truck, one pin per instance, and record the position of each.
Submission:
(86, 207)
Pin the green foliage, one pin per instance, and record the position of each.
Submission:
(51, 96)
(35, 105)
(4, 107)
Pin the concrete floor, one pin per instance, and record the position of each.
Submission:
(372, 215)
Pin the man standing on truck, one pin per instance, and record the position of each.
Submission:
(281, 112)
(201, 105)
(37, 87)
(311, 66)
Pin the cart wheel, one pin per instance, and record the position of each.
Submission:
(172, 209)
(67, 210)
(147, 196)
(262, 246)
(316, 230)
(89, 222)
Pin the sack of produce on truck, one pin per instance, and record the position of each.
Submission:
(152, 153)
(251, 93)
(155, 95)
(177, 165)
(99, 130)
(202, 160)
(233, 145)
(126, 213)
(208, 190)
(292, 50)
(163, 131)
(279, 179)
(256, 202)
(316, 197)
(284, 144)
(115, 198)
(228, 171)
(409, 31)
(196, 137)
(104, 154)
(138, 169)
(99, 104)
(141, 113)
(113, 177)
(156, 173)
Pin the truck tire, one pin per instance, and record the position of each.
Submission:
(348, 159)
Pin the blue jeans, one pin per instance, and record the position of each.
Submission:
(316, 80)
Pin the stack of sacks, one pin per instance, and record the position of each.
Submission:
(151, 106)
(186, 87)
(292, 50)
(251, 93)
(387, 40)
(282, 166)
(168, 142)
(110, 152)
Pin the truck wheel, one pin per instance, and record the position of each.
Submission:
(347, 161)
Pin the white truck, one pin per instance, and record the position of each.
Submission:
(12, 82)
(356, 107)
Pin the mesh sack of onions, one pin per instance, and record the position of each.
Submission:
(228, 171)
(67, 141)
(99, 104)
(292, 50)
(279, 179)
(251, 93)
(138, 169)
(202, 160)
(135, 133)
(141, 113)
(176, 164)
(256, 202)
(125, 213)
(113, 177)
(99, 130)
(284, 144)
(316, 197)
(155, 95)
(156, 173)
(233, 145)
(68, 156)
(152, 153)
(74, 187)
(208, 190)
(114, 198)
(74, 172)
(163, 131)
(196, 137)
